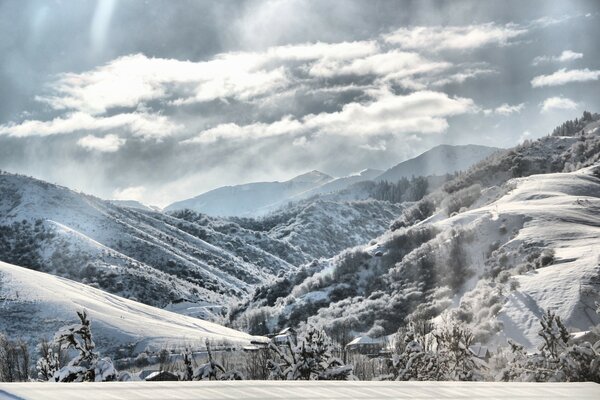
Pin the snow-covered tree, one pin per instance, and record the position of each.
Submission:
(48, 363)
(87, 366)
(453, 343)
(188, 370)
(310, 358)
(426, 353)
(558, 359)
(210, 369)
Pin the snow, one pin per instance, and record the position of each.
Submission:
(44, 302)
(268, 390)
(561, 211)
(250, 199)
(440, 160)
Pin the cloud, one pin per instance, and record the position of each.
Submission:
(505, 109)
(140, 124)
(565, 56)
(423, 112)
(130, 193)
(524, 136)
(558, 103)
(563, 76)
(393, 64)
(436, 38)
(106, 144)
(129, 80)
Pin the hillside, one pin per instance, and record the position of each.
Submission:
(152, 257)
(35, 305)
(250, 198)
(487, 249)
(182, 257)
(440, 160)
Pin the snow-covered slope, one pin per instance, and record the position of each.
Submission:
(454, 263)
(252, 198)
(34, 305)
(440, 160)
(486, 249)
(152, 257)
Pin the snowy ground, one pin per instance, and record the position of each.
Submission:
(265, 390)
(38, 304)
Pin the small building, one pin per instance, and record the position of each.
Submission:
(284, 336)
(367, 345)
(480, 351)
(161, 376)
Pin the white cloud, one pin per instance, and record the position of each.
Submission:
(393, 64)
(138, 123)
(129, 80)
(435, 38)
(565, 56)
(563, 76)
(106, 144)
(558, 103)
(423, 112)
(524, 136)
(462, 76)
(506, 109)
(130, 193)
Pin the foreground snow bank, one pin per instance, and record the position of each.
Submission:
(266, 390)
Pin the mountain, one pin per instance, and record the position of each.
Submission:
(146, 255)
(250, 198)
(134, 204)
(35, 305)
(186, 261)
(323, 227)
(440, 160)
(514, 235)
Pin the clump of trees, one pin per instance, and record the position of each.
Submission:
(311, 358)
(424, 353)
(86, 366)
(558, 359)
(14, 360)
(572, 127)
(211, 370)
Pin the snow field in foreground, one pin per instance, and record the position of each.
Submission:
(266, 390)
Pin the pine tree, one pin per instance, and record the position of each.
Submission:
(209, 370)
(48, 363)
(87, 366)
(310, 358)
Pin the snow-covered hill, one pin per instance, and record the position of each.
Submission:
(491, 251)
(440, 160)
(250, 199)
(35, 305)
(150, 256)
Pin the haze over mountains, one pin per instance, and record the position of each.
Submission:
(257, 199)
(494, 244)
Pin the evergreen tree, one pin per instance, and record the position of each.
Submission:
(310, 359)
(87, 366)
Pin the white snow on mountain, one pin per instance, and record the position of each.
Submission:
(250, 199)
(440, 160)
(35, 305)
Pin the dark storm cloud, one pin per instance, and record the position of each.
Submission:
(163, 100)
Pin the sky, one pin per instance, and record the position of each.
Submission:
(159, 101)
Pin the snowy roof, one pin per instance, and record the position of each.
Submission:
(366, 340)
(301, 390)
(479, 350)
(287, 331)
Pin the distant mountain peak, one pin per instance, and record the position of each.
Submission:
(439, 160)
(313, 176)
